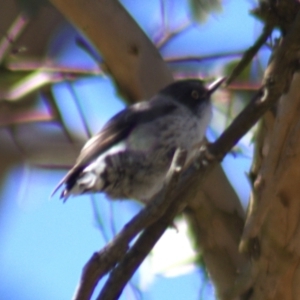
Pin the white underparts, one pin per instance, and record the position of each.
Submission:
(90, 178)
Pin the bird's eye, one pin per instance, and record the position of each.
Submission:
(195, 94)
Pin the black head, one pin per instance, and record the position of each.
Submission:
(191, 92)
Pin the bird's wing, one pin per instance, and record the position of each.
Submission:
(115, 130)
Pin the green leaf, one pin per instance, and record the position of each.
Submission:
(201, 9)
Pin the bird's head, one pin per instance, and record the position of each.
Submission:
(192, 93)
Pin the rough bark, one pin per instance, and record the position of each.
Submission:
(271, 234)
(275, 267)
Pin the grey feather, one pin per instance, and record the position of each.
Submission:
(131, 155)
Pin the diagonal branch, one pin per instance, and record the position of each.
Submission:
(140, 72)
(249, 54)
(129, 55)
(166, 211)
(274, 86)
(278, 77)
(103, 261)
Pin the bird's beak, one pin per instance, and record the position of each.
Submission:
(215, 85)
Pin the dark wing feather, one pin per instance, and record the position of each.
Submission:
(117, 129)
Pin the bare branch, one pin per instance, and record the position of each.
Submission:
(198, 59)
(129, 55)
(262, 101)
(140, 72)
(163, 41)
(249, 54)
(16, 29)
(162, 218)
(100, 263)
(278, 77)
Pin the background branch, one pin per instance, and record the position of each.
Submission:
(277, 79)
(272, 233)
(129, 56)
(263, 100)
(122, 273)
(140, 72)
(107, 258)
(249, 54)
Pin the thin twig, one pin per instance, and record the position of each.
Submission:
(274, 86)
(100, 263)
(10, 37)
(199, 59)
(141, 248)
(276, 83)
(249, 54)
(171, 34)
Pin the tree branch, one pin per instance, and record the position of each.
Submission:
(277, 79)
(163, 217)
(249, 54)
(263, 100)
(140, 72)
(103, 261)
(184, 193)
(129, 55)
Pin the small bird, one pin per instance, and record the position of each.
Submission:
(131, 155)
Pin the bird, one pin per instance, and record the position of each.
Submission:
(130, 157)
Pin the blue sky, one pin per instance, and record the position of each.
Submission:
(44, 244)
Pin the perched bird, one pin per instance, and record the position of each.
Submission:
(131, 155)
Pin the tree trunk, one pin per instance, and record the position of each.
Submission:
(275, 267)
